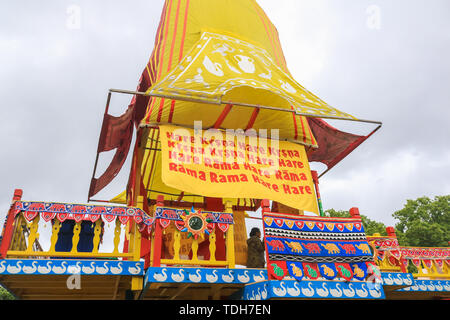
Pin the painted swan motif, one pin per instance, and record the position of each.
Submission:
(376, 291)
(264, 292)
(336, 292)
(116, 270)
(388, 280)
(228, 277)
(135, 270)
(14, 269)
(408, 280)
(87, 269)
(75, 269)
(280, 291)
(60, 269)
(102, 270)
(362, 292)
(422, 286)
(2, 266)
(323, 291)
(260, 277)
(349, 292)
(398, 280)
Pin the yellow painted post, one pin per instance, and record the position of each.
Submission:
(230, 238)
(76, 237)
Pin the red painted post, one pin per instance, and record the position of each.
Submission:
(158, 236)
(7, 232)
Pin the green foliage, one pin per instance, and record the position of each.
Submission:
(370, 226)
(5, 294)
(424, 222)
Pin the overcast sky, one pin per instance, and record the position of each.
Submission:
(380, 60)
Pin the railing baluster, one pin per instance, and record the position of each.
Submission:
(195, 250)
(176, 245)
(117, 231)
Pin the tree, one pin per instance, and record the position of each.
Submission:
(370, 226)
(424, 222)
